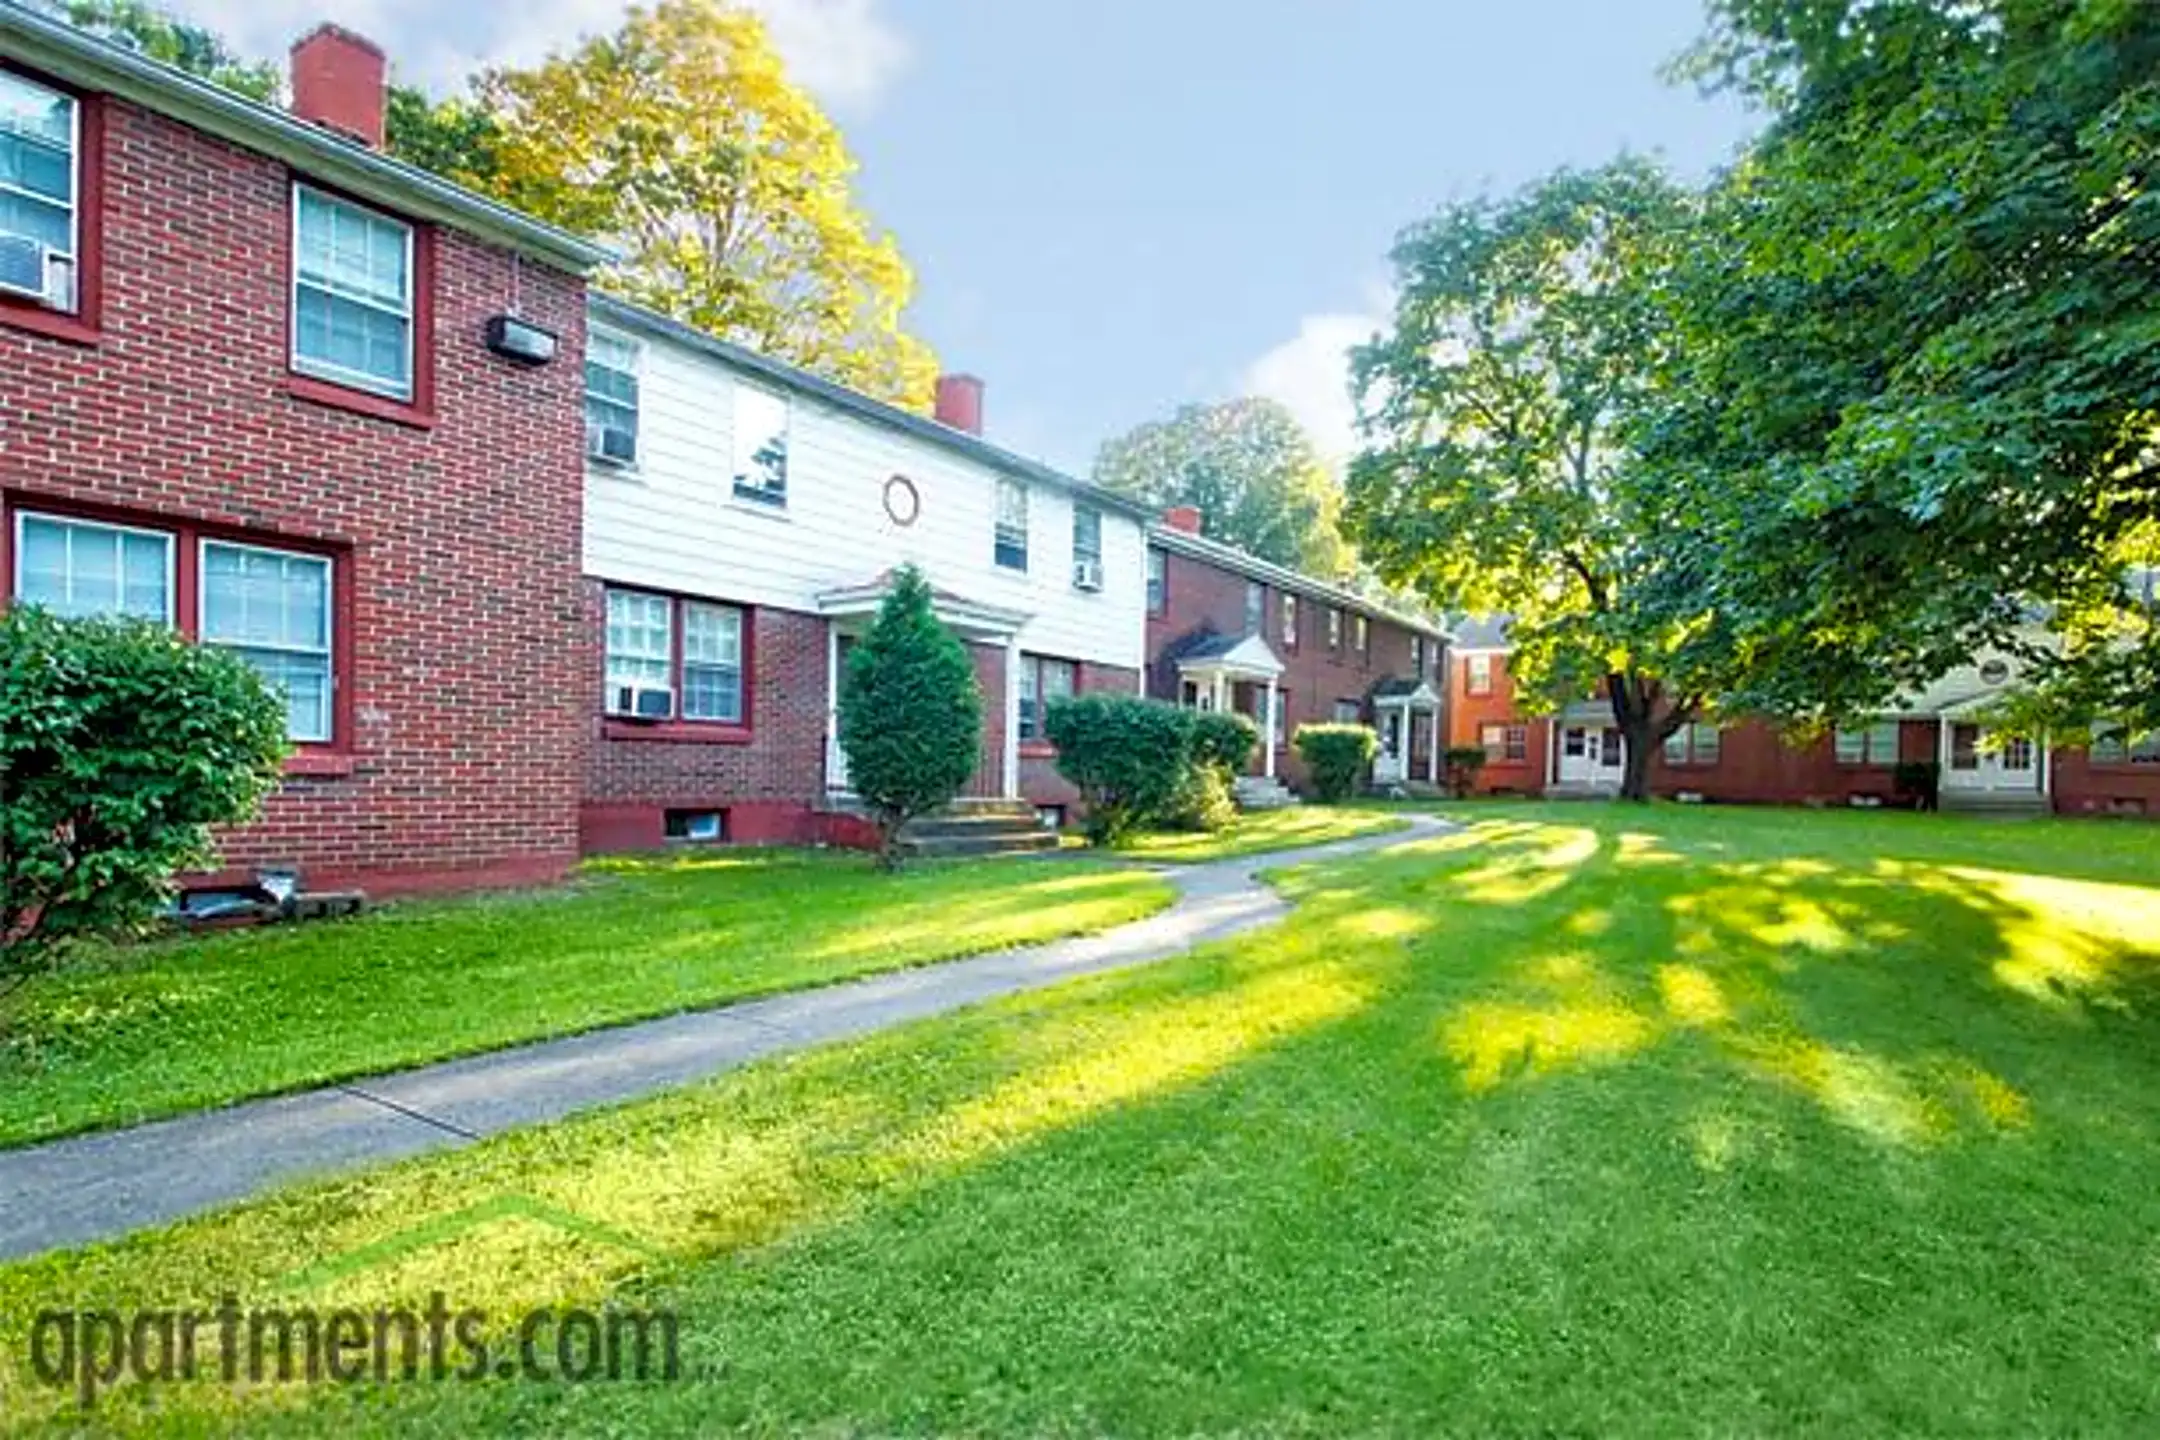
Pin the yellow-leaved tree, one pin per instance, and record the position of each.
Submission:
(680, 139)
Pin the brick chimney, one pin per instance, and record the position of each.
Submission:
(960, 402)
(337, 83)
(1182, 517)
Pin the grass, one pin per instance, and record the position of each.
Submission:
(149, 1030)
(1261, 832)
(1584, 1121)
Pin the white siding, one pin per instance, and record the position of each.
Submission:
(673, 522)
(1967, 682)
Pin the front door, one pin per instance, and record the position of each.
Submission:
(1388, 764)
(836, 776)
(1589, 755)
(1975, 764)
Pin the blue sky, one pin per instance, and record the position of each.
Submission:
(1115, 206)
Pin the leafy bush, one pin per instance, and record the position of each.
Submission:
(1336, 756)
(1127, 756)
(1203, 801)
(121, 744)
(910, 713)
(1463, 762)
(1224, 739)
(1918, 781)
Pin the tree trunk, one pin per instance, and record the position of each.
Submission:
(1642, 742)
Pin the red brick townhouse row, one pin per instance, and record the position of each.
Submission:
(743, 519)
(265, 384)
(1578, 751)
(1229, 631)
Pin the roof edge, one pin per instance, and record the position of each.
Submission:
(60, 49)
(1200, 547)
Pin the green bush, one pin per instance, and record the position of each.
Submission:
(1463, 763)
(910, 713)
(121, 744)
(1336, 756)
(1203, 801)
(1127, 757)
(1225, 739)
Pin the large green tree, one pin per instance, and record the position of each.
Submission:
(1916, 392)
(1495, 476)
(1251, 471)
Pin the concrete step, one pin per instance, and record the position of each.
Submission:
(947, 826)
(978, 846)
(1257, 792)
(1992, 802)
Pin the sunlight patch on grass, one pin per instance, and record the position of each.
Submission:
(1862, 1091)
(1259, 832)
(1691, 996)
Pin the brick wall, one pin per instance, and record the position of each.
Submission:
(1199, 596)
(1468, 715)
(1040, 783)
(457, 543)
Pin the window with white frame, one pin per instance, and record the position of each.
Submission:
(1417, 656)
(1334, 628)
(1042, 681)
(712, 662)
(1087, 541)
(761, 445)
(352, 295)
(1477, 674)
(1010, 541)
(78, 568)
(272, 609)
(1255, 606)
(1349, 712)
(2120, 745)
(611, 397)
(640, 645)
(1289, 622)
(1873, 744)
(1158, 582)
(1694, 744)
(1503, 743)
(1361, 630)
(40, 222)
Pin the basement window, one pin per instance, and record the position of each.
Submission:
(697, 827)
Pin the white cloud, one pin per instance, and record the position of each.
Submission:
(1310, 374)
(845, 51)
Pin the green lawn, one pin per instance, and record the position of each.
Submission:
(1585, 1121)
(1264, 831)
(156, 1029)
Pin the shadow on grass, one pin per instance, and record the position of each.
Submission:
(1585, 1125)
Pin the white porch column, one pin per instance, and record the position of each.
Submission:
(2043, 757)
(1432, 760)
(1012, 717)
(1267, 736)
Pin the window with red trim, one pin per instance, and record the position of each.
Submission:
(50, 163)
(272, 605)
(1043, 680)
(674, 658)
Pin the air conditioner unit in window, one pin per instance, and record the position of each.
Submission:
(611, 445)
(23, 266)
(1087, 574)
(642, 702)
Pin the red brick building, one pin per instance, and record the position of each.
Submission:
(1749, 761)
(247, 388)
(1229, 631)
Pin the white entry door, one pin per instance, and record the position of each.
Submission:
(1388, 765)
(1976, 765)
(1589, 755)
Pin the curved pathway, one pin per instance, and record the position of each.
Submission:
(95, 1187)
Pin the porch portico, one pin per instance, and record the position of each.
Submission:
(1210, 672)
(849, 611)
(1981, 770)
(1396, 705)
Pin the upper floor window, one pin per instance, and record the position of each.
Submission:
(40, 219)
(352, 295)
(611, 397)
(1011, 531)
(1334, 628)
(1693, 744)
(1477, 674)
(1289, 621)
(1417, 656)
(1361, 631)
(1158, 582)
(1872, 744)
(76, 568)
(272, 609)
(1087, 547)
(1042, 681)
(1255, 606)
(761, 445)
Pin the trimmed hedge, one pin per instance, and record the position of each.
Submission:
(1224, 739)
(1127, 757)
(1336, 756)
(1462, 762)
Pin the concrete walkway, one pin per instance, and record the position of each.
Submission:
(96, 1187)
